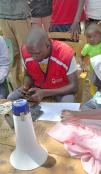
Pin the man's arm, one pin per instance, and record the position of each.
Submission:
(26, 86)
(75, 26)
(27, 82)
(79, 11)
(70, 88)
(76, 116)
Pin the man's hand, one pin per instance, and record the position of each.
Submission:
(35, 94)
(69, 117)
(24, 91)
(75, 30)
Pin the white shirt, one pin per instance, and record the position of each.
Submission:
(93, 9)
(96, 64)
(4, 60)
(73, 66)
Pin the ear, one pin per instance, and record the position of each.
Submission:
(48, 44)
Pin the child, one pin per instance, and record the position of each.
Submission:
(91, 49)
(93, 46)
(4, 68)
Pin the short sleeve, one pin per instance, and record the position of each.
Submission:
(73, 66)
(85, 50)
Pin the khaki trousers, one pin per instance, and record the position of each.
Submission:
(43, 22)
(16, 30)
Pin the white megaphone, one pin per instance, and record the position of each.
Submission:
(28, 154)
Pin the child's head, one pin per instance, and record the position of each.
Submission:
(93, 34)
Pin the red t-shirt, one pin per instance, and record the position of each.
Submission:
(64, 11)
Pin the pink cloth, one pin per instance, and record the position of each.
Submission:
(81, 142)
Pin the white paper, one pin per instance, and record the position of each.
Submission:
(52, 111)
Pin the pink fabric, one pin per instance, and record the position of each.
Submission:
(81, 142)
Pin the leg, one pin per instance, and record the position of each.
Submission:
(16, 30)
(36, 21)
(4, 90)
(7, 29)
(15, 95)
(46, 22)
(21, 28)
(66, 99)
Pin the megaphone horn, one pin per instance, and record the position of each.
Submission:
(28, 154)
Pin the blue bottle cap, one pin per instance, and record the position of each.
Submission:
(20, 106)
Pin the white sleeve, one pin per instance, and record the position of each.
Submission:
(73, 66)
(4, 60)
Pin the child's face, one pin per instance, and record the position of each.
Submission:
(93, 38)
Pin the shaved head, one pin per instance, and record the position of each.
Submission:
(38, 43)
(36, 37)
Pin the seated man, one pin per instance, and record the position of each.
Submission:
(4, 68)
(51, 69)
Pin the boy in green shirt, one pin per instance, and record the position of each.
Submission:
(91, 49)
(93, 46)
